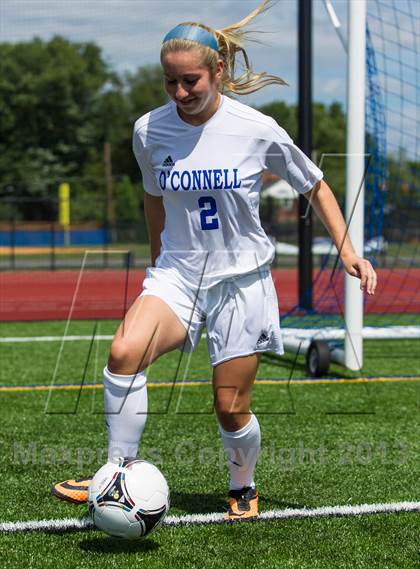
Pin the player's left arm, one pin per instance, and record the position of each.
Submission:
(155, 219)
(326, 207)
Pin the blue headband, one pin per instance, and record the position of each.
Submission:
(193, 33)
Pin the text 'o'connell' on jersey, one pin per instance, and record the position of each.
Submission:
(212, 179)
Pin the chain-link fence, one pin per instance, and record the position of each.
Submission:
(32, 237)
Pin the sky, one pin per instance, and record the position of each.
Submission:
(130, 33)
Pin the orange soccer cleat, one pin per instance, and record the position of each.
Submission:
(75, 491)
(243, 504)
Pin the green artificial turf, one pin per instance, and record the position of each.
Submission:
(323, 444)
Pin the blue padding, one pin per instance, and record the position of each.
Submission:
(47, 238)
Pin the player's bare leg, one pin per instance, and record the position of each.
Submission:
(149, 330)
(232, 386)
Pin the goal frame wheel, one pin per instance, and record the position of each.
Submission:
(318, 358)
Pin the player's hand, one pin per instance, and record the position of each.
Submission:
(363, 270)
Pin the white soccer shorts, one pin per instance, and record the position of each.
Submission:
(241, 314)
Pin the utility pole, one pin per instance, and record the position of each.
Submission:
(110, 217)
(305, 263)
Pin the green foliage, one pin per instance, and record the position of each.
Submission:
(88, 201)
(329, 132)
(49, 94)
(145, 90)
(8, 212)
(127, 201)
(284, 115)
(329, 142)
(60, 101)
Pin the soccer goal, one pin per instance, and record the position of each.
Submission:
(382, 192)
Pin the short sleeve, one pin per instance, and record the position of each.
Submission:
(286, 160)
(149, 180)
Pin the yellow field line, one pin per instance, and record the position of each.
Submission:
(339, 380)
(207, 382)
(5, 250)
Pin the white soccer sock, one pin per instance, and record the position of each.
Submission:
(242, 449)
(125, 398)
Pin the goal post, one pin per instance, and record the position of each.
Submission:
(355, 168)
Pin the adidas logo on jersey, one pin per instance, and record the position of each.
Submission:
(262, 339)
(168, 162)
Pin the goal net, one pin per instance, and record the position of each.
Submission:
(392, 191)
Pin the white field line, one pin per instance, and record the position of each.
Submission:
(218, 518)
(25, 339)
(328, 333)
(29, 339)
(368, 333)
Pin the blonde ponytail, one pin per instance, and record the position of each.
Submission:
(231, 42)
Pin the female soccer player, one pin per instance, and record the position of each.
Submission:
(202, 157)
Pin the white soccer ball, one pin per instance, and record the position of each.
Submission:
(129, 499)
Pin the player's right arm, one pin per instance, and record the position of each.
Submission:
(155, 219)
(153, 201)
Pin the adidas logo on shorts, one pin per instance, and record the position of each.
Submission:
(262, 339)
(168, 162)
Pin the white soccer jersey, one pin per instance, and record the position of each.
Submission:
(210, 179)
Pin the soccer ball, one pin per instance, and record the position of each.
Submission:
(129, 499)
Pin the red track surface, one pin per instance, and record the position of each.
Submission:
(45, 295)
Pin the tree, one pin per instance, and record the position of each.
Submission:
(284, 115)
(329, 135)
(50, 94)
(143, 92)
(60, 102)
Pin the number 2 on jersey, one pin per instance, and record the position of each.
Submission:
(208, 213)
